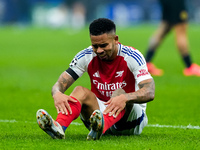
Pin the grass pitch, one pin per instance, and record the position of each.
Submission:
(31, 61)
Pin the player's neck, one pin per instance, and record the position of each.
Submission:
(115, 52)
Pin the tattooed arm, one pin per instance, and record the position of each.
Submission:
(60, 99)
(63, 83)
(144, 94)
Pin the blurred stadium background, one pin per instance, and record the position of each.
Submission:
(33, 54)
(78, 13)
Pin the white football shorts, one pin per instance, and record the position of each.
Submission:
(132, 125)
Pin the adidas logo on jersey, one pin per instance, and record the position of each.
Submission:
(96, 74)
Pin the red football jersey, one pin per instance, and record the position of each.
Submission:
(125, 71)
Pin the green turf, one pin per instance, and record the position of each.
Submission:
(31, 61)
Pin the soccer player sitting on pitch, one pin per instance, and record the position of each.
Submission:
(120, 88)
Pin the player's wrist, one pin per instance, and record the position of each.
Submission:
(55, 93)
(123, 96)
(129, 98)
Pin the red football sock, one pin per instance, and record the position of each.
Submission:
(110, 120)
(65, 120)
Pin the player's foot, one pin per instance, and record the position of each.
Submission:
(50, 126)
(153, 70)
(193, 70)
(97, 125)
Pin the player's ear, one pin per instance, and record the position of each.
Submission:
(116, 38)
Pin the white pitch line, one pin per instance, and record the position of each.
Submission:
(171, 126)
(9, 121)
(149, 125)
(14, 121)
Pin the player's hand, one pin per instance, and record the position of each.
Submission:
(115, 105)
(61, 103)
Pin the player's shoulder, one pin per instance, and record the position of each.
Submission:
(125, 48)
(131, 53)
(83, 57)
(87, 52)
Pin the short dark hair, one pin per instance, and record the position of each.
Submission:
(101, 26)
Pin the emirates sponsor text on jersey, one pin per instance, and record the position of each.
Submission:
(106, 89)
(109, 86)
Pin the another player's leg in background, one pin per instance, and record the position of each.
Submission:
(155, 41)
(183, 47)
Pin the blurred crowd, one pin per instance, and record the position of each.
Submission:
(77, 13)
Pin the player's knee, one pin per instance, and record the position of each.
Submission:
(81, 93)
(79, 88)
